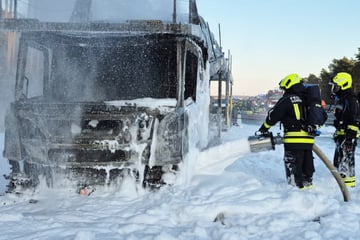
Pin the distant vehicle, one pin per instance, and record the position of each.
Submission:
(97, 101)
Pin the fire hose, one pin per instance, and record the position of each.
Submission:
(264, 142)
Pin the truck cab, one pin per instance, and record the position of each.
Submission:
(98, 101)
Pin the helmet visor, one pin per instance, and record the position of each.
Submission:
(334, 88)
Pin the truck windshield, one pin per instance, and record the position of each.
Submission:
(113, 70)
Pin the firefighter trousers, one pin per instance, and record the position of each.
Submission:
(299, 167)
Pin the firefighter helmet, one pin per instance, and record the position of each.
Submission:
(343, 80)
(289, 81)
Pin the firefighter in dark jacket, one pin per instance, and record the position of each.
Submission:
(346, 124)
(298, 142)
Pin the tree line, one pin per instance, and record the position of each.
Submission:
(349, 65)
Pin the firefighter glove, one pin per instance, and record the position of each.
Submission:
(263, 129)
(350, 134)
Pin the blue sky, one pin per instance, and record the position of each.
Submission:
(269, 39)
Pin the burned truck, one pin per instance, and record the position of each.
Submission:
(95, 102)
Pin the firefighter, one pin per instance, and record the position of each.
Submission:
(298, 142)
(346, 125)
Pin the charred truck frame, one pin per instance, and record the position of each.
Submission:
(85, 97)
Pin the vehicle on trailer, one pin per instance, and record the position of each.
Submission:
(96, 101)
